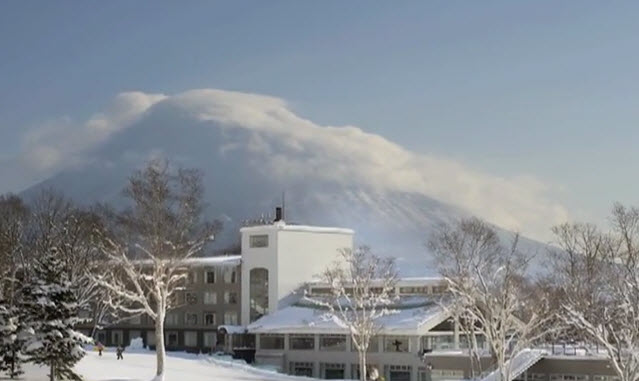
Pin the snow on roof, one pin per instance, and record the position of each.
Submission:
(232, 329)
(221, 260)
(297, 319)
(281, 225)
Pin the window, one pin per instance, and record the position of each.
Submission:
(101, 337)
(260, 240)
(301, 342)
(230, 275)
(190, 298)
(190, 339)
(209, 318)
(398, 372)
(271, 341)
(333, 342)
(150, 338)
(332, 371)
(439, 289)
(192, 277)
(396, 344)
(258, 293)
(373, 345)
(171, 339)
(230, 318)
(190, 318)
(321, 291)
(369, 369)
(134, 335)
(536, 377)
(605, 378)
(210, 339)
(210, 276)
(568, 377)
(446, 374)
(463, 341)
(172, 319)
(413, 290)
(230, 297)
(301, 369)
(210, 297)
(446, 342)
(117, 338)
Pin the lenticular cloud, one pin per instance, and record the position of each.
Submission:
(281, 146)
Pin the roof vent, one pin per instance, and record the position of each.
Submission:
(278, 214)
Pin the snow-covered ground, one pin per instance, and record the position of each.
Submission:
(140, 365)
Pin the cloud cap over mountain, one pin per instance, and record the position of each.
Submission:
(270, 138)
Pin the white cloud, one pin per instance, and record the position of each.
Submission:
(62, 143)
(292, 147)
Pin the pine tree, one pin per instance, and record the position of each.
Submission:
(52, 310)
(9, 341)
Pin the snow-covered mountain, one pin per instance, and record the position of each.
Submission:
(252, 148)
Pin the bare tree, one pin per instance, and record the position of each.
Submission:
(489, 291)
(362, 291)
(578, 273)
(151, 242)
(607, 312)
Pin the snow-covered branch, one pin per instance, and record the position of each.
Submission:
(362, 291)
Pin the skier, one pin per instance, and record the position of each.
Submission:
(118, 352)
(100, 348)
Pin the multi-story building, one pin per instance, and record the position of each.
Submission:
(254, 299)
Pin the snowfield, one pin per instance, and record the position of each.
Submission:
(140, 365)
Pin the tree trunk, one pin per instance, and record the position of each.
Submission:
(160, 351)
(362, 365)
(13, 364)
(52, 373)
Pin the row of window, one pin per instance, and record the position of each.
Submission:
(208, 318)
(337, 371)
(390, 343)
(563, 377)
(403, 291)
(330, 343)
(210, 297)
(171, 338)
(210, 276)
(327, 371)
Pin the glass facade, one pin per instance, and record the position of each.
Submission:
(271, 341)
(373, 345)
(258, 293)
(396, 344)
(333, 342)
(301, 342)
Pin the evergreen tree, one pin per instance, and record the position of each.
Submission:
(52, 310)
(9, 340)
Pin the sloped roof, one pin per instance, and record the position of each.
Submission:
(304, 319)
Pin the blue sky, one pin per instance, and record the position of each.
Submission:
(543, 88)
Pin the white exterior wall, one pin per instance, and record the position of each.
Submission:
(295, 254)
(303, 256)
(265, 257)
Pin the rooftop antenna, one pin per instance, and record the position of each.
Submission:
(283, 205)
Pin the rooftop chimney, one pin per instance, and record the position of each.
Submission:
(278, 214)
